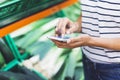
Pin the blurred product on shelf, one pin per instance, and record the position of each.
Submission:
(53, 63)
(1, 1)
(44, 57)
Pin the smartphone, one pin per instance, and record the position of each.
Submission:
(64, 39)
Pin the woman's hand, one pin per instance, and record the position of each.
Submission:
(66, 26)
(82, 40)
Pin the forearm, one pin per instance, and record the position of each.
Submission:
(109, 43)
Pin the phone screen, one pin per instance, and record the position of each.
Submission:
(64, 39)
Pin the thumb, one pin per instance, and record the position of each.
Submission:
(73, 40)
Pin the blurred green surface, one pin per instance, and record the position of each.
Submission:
(66, 63)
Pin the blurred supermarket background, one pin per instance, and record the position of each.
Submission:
(29, 48)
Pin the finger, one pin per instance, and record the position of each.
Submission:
(60, 44)
(55, 41)
(64, 25)
(61, 26)
(70, 45)
(75, 44)
(72, 40)
(58, 24)
(71, 29)
(58, 32)
(58, 28)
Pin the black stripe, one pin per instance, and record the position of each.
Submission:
(109, 21)
(117, 16)
(112, 51)
(93, 35)
(101, 20)
(108, 8)
(94, 53)
(109, 2)
(114, 57)
(109, 27)
(102, 55)
(90, 34)
(110, 33)
(88, 11)
(94, 0)
(89, 23)
(100, 7)
(90, 17)
(95, 48)
(90, 29)
(88, 5)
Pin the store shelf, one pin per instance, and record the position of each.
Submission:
(18, 9)
(33, 17)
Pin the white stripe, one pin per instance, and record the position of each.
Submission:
(109, 11)
(97, 51)
(104, 30)
(109, 6)
(110, 36)
(115, 60)
(90, 32)
(88, 2)
(108, 24)
(94, 15)
(90, 26)
(90, 20)
(108, 18)
(113, 54)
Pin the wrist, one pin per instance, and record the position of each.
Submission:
(95, 41)
(91, 41)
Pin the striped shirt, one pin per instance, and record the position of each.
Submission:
(101, 18)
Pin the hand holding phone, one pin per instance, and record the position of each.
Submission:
(64, 39)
